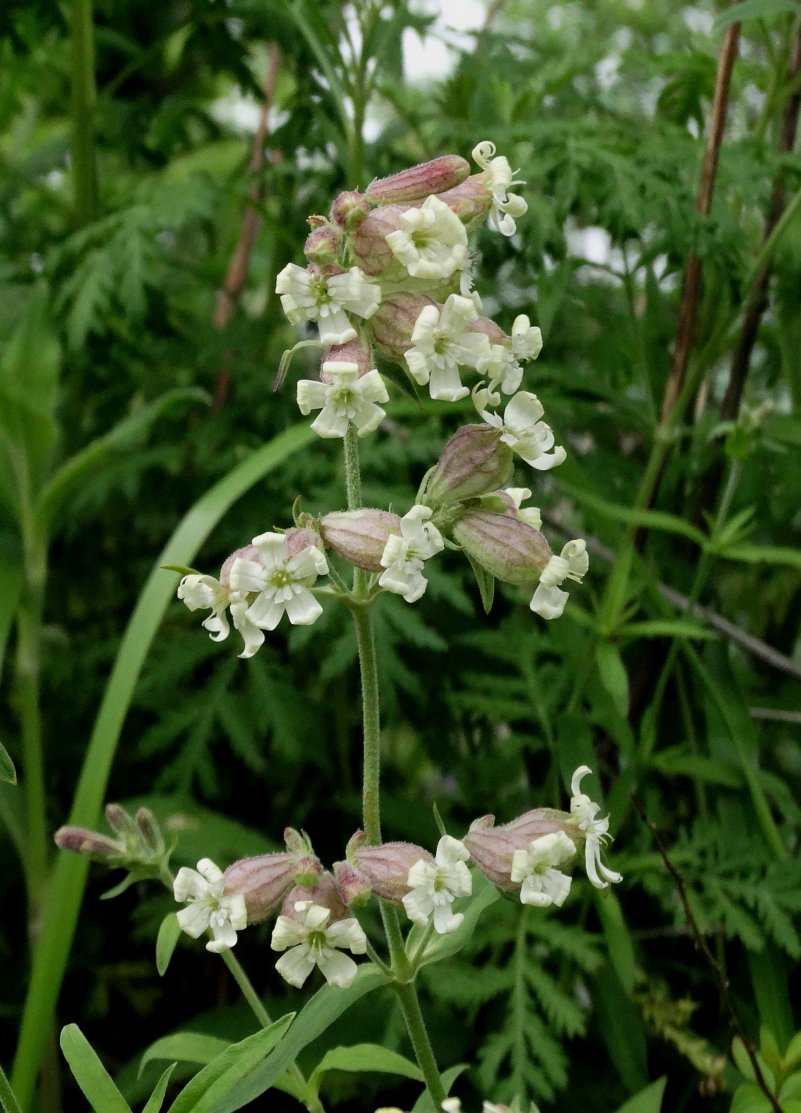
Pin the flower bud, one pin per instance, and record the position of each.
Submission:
(470, 200)
(493, 332)
(349, 210)
(492, 848)
(360, 536)
(418, 182)
(505, 546)
(323, 245)
(355, 351)
(265, 880)
(121, 823)
(299, 539)
(385, 868)
(97, 846)
(149, 832)
(352, 885)
(369, 243)
(473, 462)
(324, 892)
(394, 322)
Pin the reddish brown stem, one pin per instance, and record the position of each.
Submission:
(741, 358)
(236, 275)
(691, 286)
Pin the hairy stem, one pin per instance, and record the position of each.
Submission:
(418, 1034)
(371, 784)
(296, 1081)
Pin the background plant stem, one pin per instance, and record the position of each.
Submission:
(83, 149)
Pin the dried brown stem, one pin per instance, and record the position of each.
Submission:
(758, 302)
(691, 287)
(711, 961)
(236, 275)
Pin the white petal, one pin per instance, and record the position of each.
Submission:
(303, 609)
(311, 395)
(287, 933)
(194, 919)
(548, 602)
(337, 969)
(296, 965)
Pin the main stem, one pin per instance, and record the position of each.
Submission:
(371, 800)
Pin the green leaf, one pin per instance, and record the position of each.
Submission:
(444, 946)
(621, 1026)
(216, 1080)
(424, 1104)
(676, 761)
(156, 1099)
(69, 875)
(486, 584)
(651, 519)
(166, 940)
(7, 771)
(648, 1100)
(185, 1047)
(756, 9)
(363, 1057)
(8, 1101)
(318, 1014)
(94, 455)
(665, 628)
(613, 676)
(763, 554)
(750, 1099)
(32, 359)
(90, 1074)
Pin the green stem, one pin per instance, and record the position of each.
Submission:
(296, 1083)
(83, 152)
(8, 1101)
(418, 1034)
(28, 668)
(353, 475)
(371, 783)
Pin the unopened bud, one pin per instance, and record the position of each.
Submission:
(470, 200)
(120, 822)
(473, 462)
(97, 846)
(394, 322)
(349, 210)
(299, 539)
(360, 536)
(492, 848)
(353, 886)
(508, 548)
(323, 245)
(266, 879)
(418, 182)
(149, 832)
(493, 332)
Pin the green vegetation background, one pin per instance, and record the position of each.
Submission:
(130, 383)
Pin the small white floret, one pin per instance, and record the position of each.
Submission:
(433, 887)
(208, 908)
(309, 941)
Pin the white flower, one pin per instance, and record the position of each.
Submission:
(287, 582)
(245, 578)
(522, 428)
(529, 514)
(306, 296)
(308, 942)
(526, 338)
(432, 242)
(404, 554)
(543, 884)
(548, 601)
(502, 369)
(207, 907)
(506, 206)
(344, 399)
(433, 886)
(441, 343)
(596, 832)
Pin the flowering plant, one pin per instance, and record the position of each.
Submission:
(389, 280)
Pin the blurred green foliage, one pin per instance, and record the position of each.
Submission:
(111, 263)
